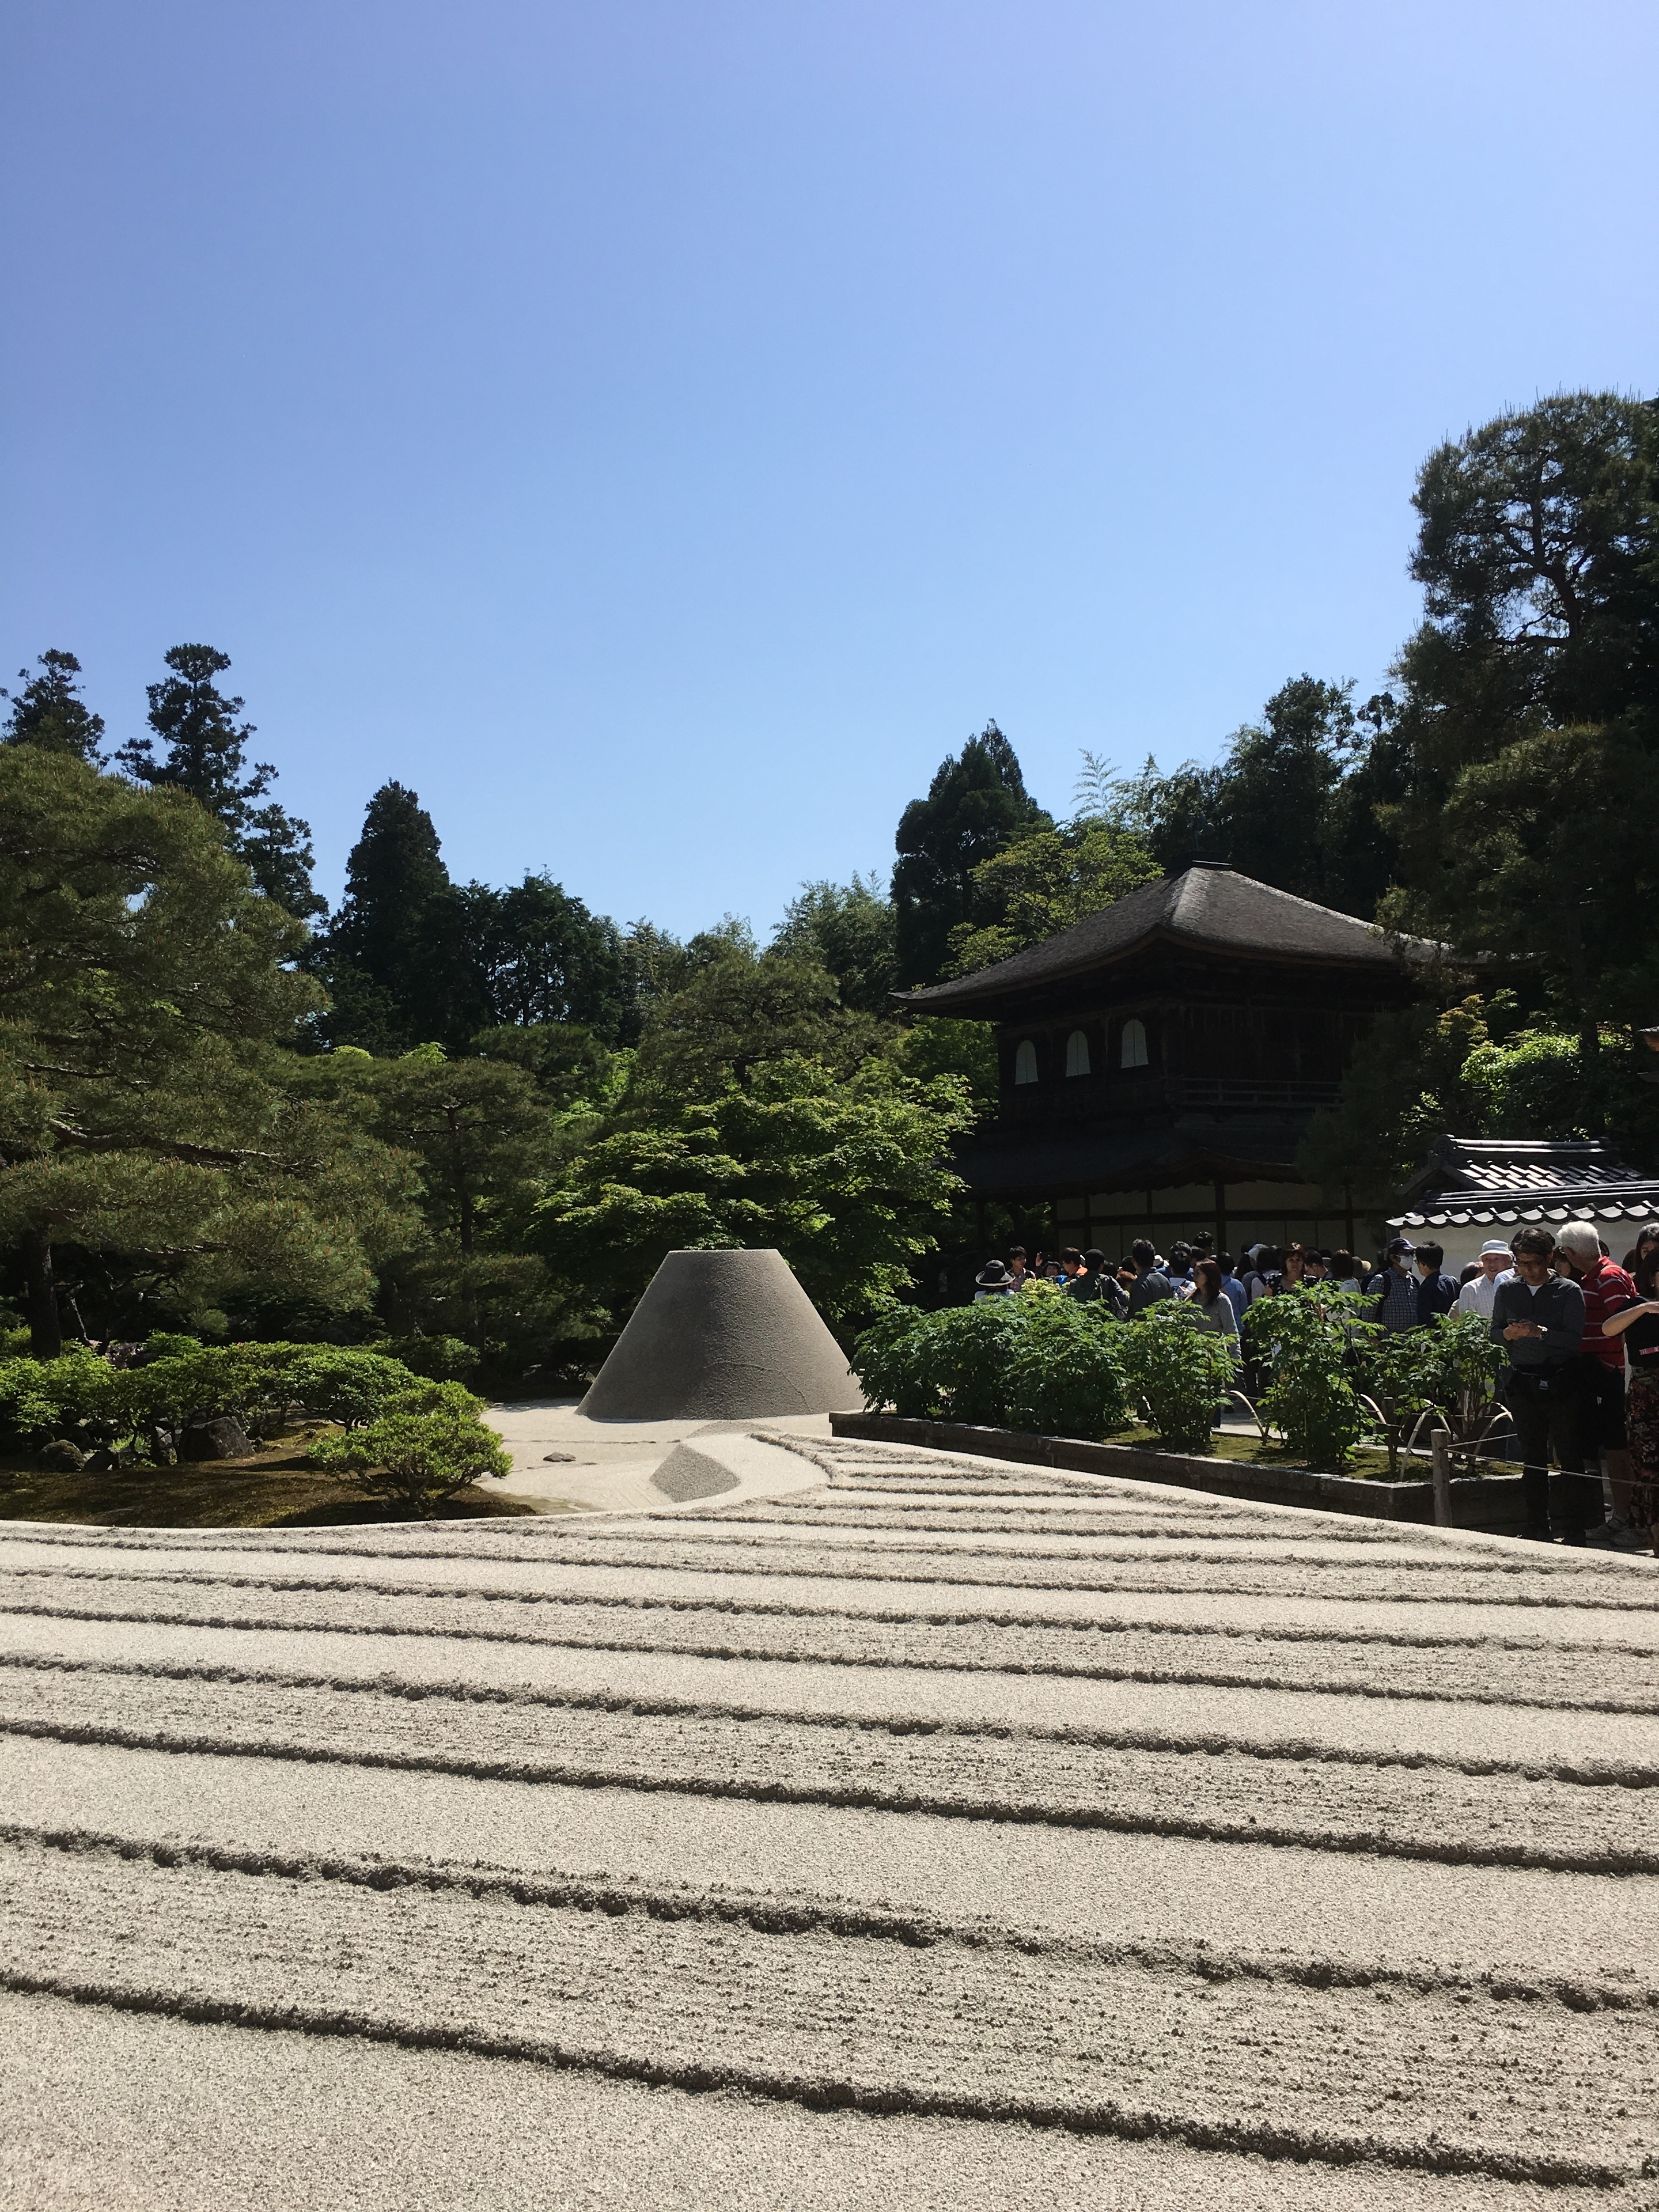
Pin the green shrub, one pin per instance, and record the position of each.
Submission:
(1468, 1367)
(1400, 1376)
(1035, 1361)
(1178, 1372)
(440, 1359)
(335, 1382)
(81, 1397)
(74, 1397)
(169, 1344)
(1302, 1339)
(421, 1450)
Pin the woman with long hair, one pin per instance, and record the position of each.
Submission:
(1210, 1305)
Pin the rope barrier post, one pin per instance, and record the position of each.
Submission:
(1440, 1455)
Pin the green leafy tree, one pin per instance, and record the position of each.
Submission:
(1292, 802)
(1043, 881)
(205, 753)
(146, 992)
(843, 1173)
(977, 802)
(49, 712)
(479, 1134)
(1538, 551)
(735, 1013)
(850, 930)
(543, 958)
(1531, 702)
(1546, 856)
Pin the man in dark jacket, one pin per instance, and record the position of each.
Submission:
(1151, 1284)
(1436, 1293)
(1093, 1281)
(1538, 1316)
(1395, 1288)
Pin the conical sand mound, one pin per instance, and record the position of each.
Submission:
(722, 1336)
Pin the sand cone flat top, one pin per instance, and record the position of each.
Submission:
(722, 1336)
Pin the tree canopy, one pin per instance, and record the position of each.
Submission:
(49, 711)
(146, 990)
(205, 753)
(976, 803)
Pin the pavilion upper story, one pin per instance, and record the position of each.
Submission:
(1160, 1061)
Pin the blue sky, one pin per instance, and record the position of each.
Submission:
(659, 432)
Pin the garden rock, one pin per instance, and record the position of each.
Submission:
(222, 1438)
(61, 1457)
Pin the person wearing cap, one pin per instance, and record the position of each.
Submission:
(1094, 1282)
(992, 1281)
(1538, 1316)
(1395, 1288)
(1477, 1294)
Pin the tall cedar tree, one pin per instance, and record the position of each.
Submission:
(390, 954)
(49, 712)
(977, 802)
(206, 750)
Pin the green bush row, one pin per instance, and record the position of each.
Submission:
(1040, 1363)
(409, 1439)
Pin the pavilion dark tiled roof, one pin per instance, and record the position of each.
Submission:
(1207, 906)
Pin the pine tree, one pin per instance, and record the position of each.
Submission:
(206, 753)
(49, 712)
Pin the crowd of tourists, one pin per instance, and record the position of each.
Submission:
(1580, 1335)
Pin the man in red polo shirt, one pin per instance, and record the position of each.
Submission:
(1601, 1363)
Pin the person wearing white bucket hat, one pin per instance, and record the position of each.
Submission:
(1477, 1294)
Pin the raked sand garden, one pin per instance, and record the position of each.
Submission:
(871, 1825)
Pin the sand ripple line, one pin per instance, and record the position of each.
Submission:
(782, 1912)
(33, 1674)
(1331, 1802)
(1520, 1676)
(1276, 2069)
(1334, 1583)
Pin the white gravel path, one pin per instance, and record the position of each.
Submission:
(924, 1829)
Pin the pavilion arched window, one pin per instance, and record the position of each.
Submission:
(1025, 1066)
(1077, 1054)
(1132, 1051)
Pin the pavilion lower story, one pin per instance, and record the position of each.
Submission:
(1235, 1185)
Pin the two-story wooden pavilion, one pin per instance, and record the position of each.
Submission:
(1160, 1062)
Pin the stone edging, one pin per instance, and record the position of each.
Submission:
(1491, 1503)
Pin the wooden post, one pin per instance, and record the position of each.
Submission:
(1440, 1458)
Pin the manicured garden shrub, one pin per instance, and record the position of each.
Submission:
(1400, 1378)
(1304, 1340)
(440, 1359)
(420, 1451)
(1035, 1361)
(1178, 1373)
